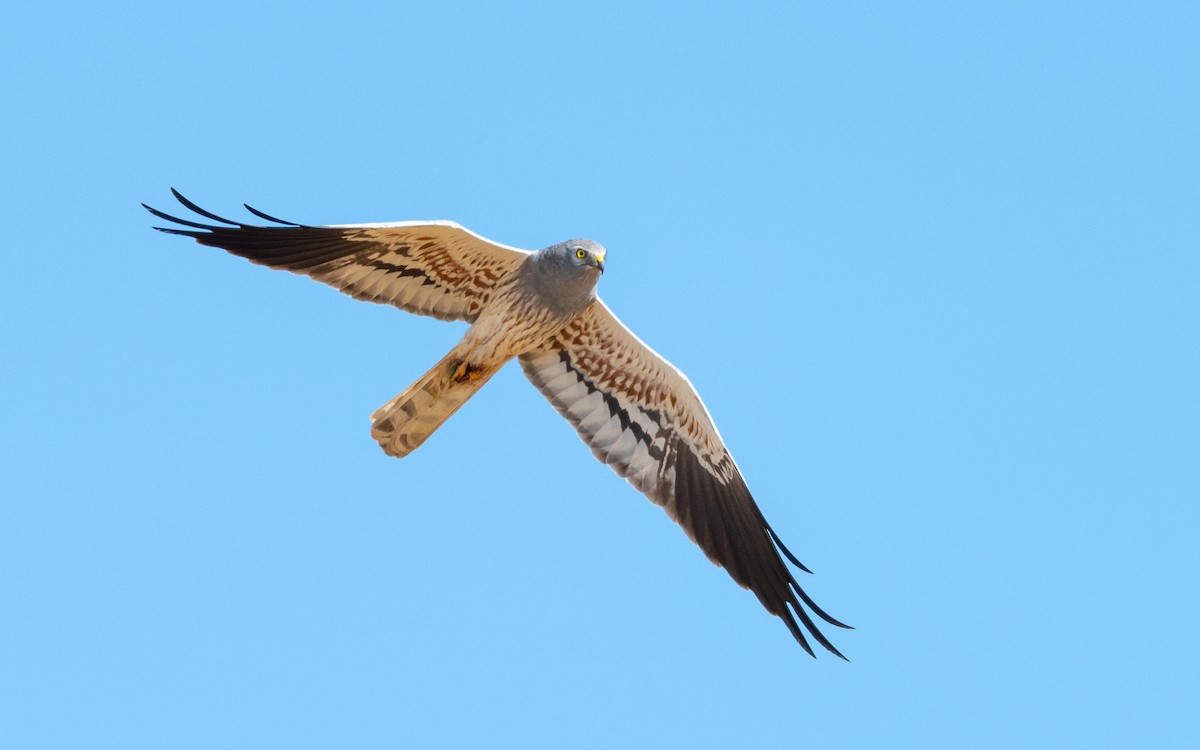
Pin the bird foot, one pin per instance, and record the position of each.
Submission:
(464, 373)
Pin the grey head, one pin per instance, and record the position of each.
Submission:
(565, 275)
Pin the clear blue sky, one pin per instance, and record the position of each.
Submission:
(934, 267)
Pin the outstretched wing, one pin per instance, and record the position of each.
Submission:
(428, 268)
(642, 417)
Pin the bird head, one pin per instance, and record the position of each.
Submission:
(584, 254)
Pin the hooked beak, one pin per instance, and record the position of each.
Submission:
(600, 262)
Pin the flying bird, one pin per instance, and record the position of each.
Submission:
(635, 410)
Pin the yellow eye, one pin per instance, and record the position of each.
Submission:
(580, 253)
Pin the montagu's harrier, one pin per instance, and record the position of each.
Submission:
(635, 411)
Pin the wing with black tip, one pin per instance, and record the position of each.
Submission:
(428, 268)
(644, 419)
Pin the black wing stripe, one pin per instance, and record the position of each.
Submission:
(568, 388)
(615, 409)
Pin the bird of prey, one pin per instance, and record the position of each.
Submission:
(636, 411)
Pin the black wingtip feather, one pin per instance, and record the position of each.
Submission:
(183, 232)
(168, 217)
(798, 634)
(817, 610)
(268, 217)
(815, 631)
(782, 548)
(206, 214)
(192, 206)
(757, 561)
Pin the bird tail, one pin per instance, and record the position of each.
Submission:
(404, 423)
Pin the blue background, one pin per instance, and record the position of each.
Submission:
(934, 268)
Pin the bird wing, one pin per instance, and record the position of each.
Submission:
(642, 417)
(429, 268)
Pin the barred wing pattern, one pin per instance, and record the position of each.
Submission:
(642, 417)
(429, 268)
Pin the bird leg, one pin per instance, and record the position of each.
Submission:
(461, 370)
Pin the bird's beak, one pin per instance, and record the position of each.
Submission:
(600, 262)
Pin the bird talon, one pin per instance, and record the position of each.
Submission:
(463, 373)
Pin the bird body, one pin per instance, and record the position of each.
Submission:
(635, 411)
(548, 290)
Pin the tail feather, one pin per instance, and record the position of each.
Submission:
(404, 423)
